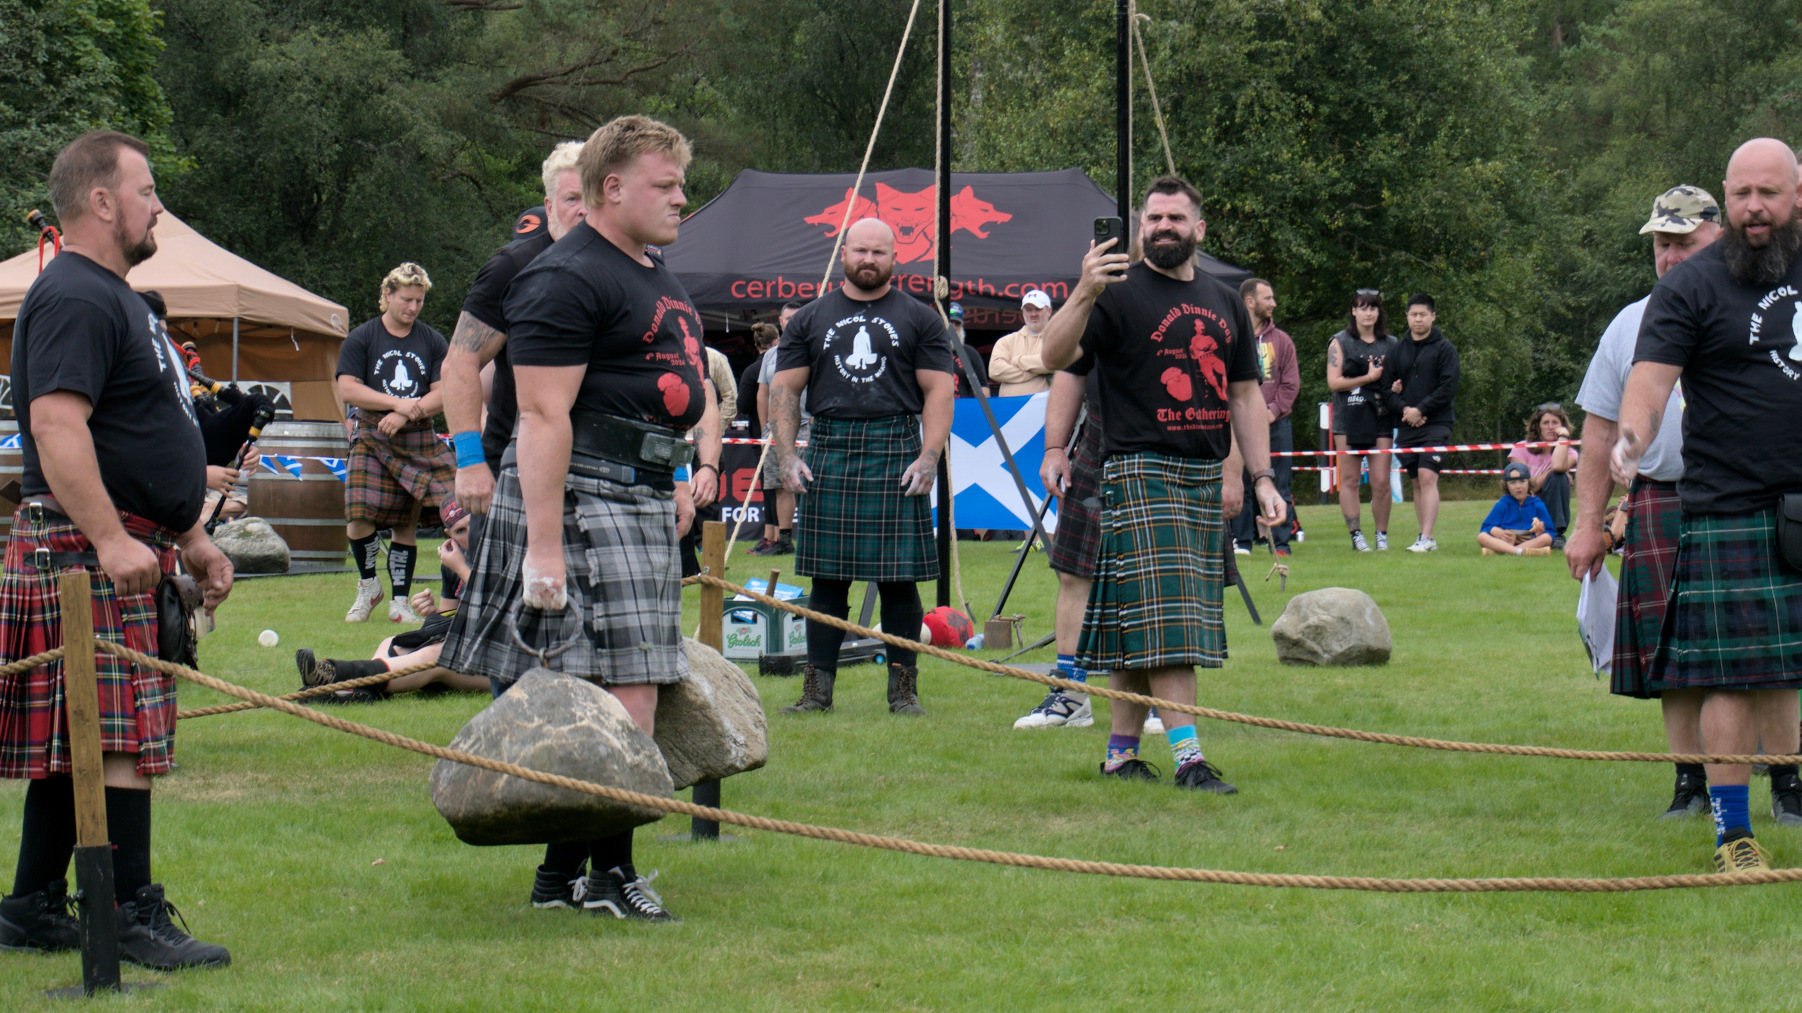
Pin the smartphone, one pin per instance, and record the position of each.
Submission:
(1111, 228)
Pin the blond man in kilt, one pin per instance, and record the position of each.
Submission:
(389, 370)
(1175, 358)
(876, 365)
(114, 480)
(579, 555)
(1727, 322)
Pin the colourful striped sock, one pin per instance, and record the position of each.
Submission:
(1183, 745)
(1729, 802)
(1066, 669)
(1120, 749)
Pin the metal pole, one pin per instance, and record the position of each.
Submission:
(93, 855)
(1123, 124)
(234, 349)
(943, 270)
(706, 793)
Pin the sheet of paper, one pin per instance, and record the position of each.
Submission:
(1595, 618)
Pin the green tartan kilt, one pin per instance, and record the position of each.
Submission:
(1735, 616)
(853, 523)
(1156, 597)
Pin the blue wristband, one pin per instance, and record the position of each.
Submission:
(682, 473)
(469, 448)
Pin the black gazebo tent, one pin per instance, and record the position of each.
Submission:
(766, 239)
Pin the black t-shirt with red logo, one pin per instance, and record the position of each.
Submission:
(863, 356)
(1740, 347)
(1165, 351)
(585, 302)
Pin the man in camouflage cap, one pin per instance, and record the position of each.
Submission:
(1684, 219)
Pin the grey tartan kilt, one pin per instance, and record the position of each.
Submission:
(624, 581)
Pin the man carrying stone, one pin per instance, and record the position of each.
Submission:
(1728, 323)
(1426, 379)
(388, 371)
(1016, 363)
(1281, 383)
(1685, 219)
(580, 547)
(876, 366)
(1176, 362)
(114, 478)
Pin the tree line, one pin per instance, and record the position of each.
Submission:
(1500, 155)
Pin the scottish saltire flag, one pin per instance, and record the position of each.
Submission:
(984, 492)
(336, 464)
(10, 442)
(277, 464)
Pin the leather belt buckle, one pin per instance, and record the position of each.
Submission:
(40, 557)
(34, 512)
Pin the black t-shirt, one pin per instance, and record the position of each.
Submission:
(1741, 352)
(960, 349)
(747, 392)
(1362, 413)
(82, 329)
(399, 367)
(1165, 351)
(485, 303)
(585, 302)
(863, 356)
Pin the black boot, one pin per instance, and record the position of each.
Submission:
(147, 937)
(904, 690)
(816, 692)
(39, 921)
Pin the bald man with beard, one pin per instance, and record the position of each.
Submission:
(1721, 322)
(877, 367)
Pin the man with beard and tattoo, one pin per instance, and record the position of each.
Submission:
(1728, 323)
(876, 364)
(1685, 220)
(1175, 355)
(114, 476)
(579, 555)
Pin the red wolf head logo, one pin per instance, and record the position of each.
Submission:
(914, 217)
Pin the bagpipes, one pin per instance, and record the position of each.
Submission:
(265, 414)
(35, 219)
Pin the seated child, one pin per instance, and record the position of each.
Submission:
(1518, 524)
(407, 649)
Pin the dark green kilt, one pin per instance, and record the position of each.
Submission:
(1735, 617)
(853, 523)
(1156, 596)
(1654, 526)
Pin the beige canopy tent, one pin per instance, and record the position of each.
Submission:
(249, 324)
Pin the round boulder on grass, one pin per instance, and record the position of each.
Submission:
(252, 546)
(1332, 626)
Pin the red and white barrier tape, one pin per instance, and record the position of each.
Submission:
(1423, 450)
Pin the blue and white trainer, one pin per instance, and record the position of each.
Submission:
(1059, 710)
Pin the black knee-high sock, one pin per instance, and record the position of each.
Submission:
(566, 858)
(833, 598)
(400, 568)
(128, 824)
(365, 551)
(901, 615)
(46, 835)
(613, 853)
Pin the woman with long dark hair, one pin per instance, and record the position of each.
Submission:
(1551, 466)
(1355, 358)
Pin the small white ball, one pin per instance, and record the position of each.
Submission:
(268, 638)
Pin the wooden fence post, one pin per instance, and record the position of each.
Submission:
(93, 853)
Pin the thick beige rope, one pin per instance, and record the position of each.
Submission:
(905, 846)
(1245, 719)
(310, 693)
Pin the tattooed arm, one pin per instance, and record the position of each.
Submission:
(1642, 412)
(1336, 379)
(785, 414)
(704, 474)
(473, 345)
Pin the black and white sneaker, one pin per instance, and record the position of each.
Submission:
(148, 938)
(622, 897)
(1131, 770)
(1200, 775)
(39, 921)
(1786, 801)
(555, 890)
(1689, 799)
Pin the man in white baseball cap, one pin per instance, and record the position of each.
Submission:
(1015, 363)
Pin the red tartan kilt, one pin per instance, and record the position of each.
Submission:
(137, 706)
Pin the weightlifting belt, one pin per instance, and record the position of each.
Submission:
(637, 445)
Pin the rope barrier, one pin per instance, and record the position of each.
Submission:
(1327, 731)
(27, 664)
(311, 692)
(903, 845)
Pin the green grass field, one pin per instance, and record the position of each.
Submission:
(318, 858)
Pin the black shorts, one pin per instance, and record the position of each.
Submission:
(431, 632)
(1433, 434)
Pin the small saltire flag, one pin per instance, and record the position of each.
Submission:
(337, 464)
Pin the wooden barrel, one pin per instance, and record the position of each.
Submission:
(308, 512)
(12, 469)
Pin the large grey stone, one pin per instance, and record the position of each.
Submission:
(710, 725)
(557, 724)
(1332, 626)
(252, 546)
